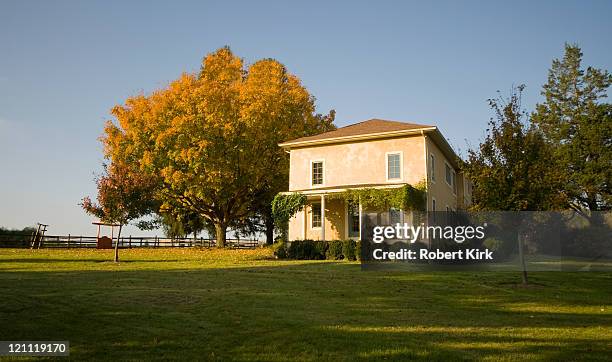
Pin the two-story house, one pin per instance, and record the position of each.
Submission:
(371, 154)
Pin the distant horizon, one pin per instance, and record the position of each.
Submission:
(66, 63)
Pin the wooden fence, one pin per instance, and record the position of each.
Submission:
(21, 240)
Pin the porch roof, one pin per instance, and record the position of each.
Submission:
(332, 190)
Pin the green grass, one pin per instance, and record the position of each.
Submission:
(244, 305)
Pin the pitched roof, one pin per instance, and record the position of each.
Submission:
(371, 126)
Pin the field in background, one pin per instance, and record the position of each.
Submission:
(244, 305)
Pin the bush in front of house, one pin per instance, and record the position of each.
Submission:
(279, 248)
(334, 250)
(318, 250)
(349, 249)
(307, 250)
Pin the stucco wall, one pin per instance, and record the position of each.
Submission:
(438, 189)
(359, 163)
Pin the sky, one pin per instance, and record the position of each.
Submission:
(64, 64)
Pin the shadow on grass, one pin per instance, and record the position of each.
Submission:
(307, 311)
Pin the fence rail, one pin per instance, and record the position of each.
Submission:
(21, 240)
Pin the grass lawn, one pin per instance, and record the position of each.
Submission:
(244, 305)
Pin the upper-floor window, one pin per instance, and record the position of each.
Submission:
(394, 166)
(316, 216)
(432, 166)
(454, 182)
(449, 174)
(317, 173)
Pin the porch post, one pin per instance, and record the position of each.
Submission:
(305, 223)
(360, 220)
(322, 217)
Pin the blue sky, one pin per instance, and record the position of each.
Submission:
(64, 64)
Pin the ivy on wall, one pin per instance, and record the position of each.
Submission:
(283, 209)
(407, 197)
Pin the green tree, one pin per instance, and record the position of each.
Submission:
(578, 126)
(211, 138)
(510, 170)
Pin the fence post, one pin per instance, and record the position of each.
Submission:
(68, 243)
(130, 242)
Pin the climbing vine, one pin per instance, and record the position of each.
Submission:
(407, 197)
(283, 209)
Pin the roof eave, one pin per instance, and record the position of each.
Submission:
(368, 136)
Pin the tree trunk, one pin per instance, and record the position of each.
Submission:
(117, 244)
(220, 230)
(269, 231)
(522, 258)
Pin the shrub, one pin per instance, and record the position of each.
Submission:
(334, 250)
(280, 249)
(358, 249)
(321, 249)
(349, 249)
(306, 250)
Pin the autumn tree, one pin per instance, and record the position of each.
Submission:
(577, 124)
(123, 196)
(211, 138)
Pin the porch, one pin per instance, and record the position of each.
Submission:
(329, 217)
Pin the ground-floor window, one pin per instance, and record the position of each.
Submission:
(316, 216)
(395, 216)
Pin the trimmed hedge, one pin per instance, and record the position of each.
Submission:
(334, 250)
(349, 249)
(318, 250)
(307, 250)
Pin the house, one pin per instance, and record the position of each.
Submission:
(371, 154)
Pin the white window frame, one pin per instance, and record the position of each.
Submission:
(401, 161)
(312, 227)
(432, 168)
(348, 221)
(312, 162)
(401, 215)
(450, 168)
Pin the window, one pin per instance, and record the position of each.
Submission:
(353, 220)
(316, 216)
(454, 182)
(394, 166)
(432, 166)
(433, 209)
(395, 216)
(317, 173)
(449, 174)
